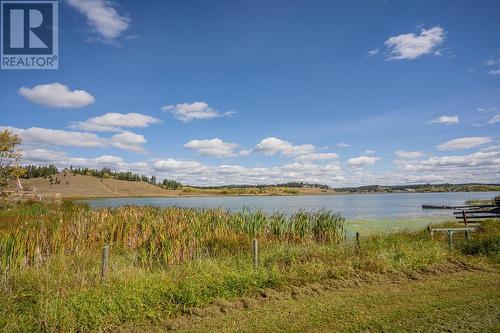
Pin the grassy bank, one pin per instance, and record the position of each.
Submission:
(452, 302)
(165, 262)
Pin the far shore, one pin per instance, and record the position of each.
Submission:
(80, 187)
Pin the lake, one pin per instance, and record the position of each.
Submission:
(367, 212)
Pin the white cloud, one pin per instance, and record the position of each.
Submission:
(343, 145)
(245, 152)
(492, 62)
(114, 122)
(495, 119)
(42, 155)
(317, 157)
(102, 17)
(464, 143)
(197, 110)
(109, 160)
(271, 146)
(408, 154)
(370, 152)
(372, 52)
(362, 161)
(447, 120)
(411, 46)
(176, 165)
(193, 172)
(494, 72)
(212, 147)
(57, 95)
(37, 135)
(128, 141)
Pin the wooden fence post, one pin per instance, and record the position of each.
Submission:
(255, 254)
(450, 237)
(431, 232)
(465, 218)
(467, 234)
(358, 242)
(105, 262)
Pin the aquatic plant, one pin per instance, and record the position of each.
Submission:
(158, 237)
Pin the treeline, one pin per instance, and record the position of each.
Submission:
(35, 171)
(421, 188)
(128, 176)
(264, 186)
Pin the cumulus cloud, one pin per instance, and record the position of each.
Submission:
(104, 20)
(447, 120)
(37, 136)
(362, 161)
(464, 143)
(114, 122)
(193, 172)
(109, 160)
(343, 145)
(186, 112)
(212, 147)
(128, 141)
(42, 155)
(62, 160)
(408, 154)
(317, 157)
(494, 72)
(57, 95)
(411, 46)
(176, 165)
(272, 145)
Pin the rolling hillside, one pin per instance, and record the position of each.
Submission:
(78, 186)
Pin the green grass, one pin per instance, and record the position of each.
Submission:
(165, 262)
(459, 302)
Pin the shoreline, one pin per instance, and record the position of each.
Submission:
(208, 195)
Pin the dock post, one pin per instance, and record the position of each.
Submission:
(255, 254)
(105, 262)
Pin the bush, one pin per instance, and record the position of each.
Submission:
(489, 246)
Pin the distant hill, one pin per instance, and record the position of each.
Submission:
(421, 188)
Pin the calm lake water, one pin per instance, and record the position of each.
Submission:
(367, 212)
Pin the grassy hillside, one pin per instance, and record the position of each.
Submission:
(78, 186)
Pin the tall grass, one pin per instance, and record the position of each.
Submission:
(158, 237)
(165, 261)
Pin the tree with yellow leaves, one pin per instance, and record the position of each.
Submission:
(9, 158)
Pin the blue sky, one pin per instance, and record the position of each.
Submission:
(217, 92)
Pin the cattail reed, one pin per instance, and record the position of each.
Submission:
(157, 237)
